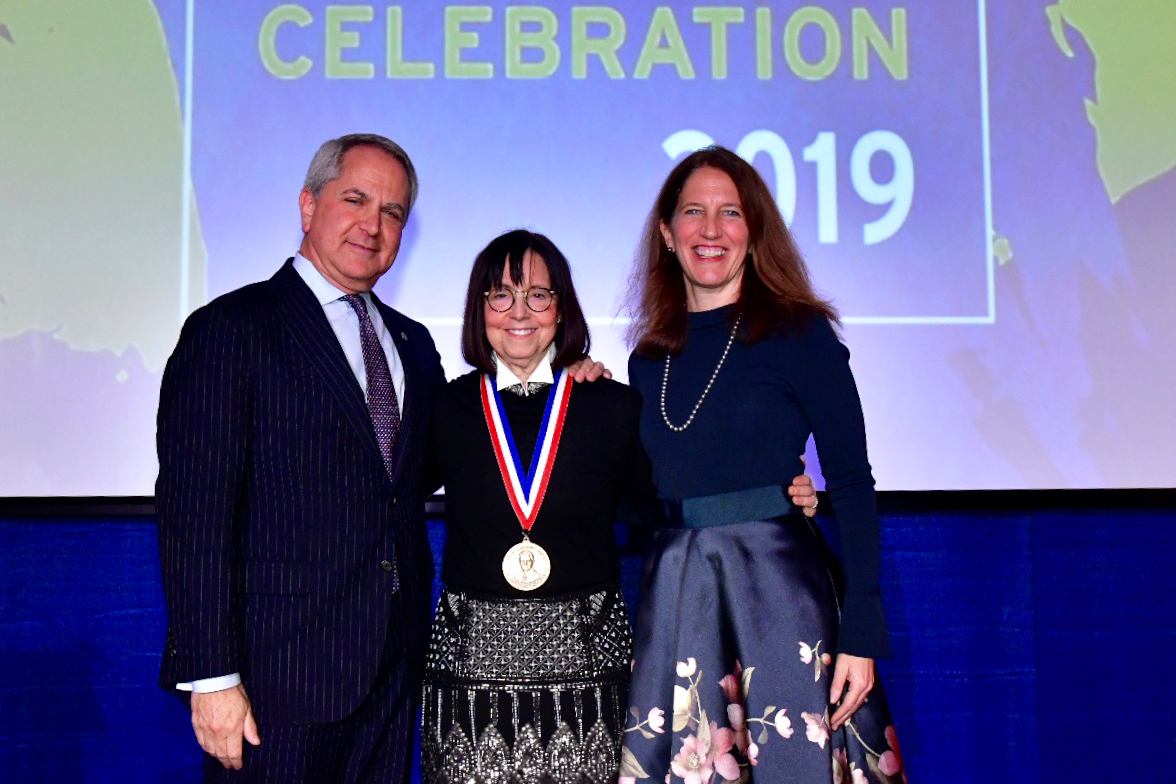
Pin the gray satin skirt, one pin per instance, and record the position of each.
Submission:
(735, 637)
(526, 690)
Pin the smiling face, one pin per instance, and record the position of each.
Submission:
(708, 232)
(353, 227)
(520, 336)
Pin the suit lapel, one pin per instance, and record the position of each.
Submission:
(302, 314)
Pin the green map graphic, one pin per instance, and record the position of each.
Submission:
(1134, 111)
(91, 178)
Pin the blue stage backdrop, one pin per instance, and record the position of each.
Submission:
(985, 189)
(1029, 646)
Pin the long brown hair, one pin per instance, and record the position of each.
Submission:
(776, 294)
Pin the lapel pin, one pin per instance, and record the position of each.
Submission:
(403, 336)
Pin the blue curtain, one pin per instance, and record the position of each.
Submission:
(1029, 646)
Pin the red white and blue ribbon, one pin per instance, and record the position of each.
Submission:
(526, 488)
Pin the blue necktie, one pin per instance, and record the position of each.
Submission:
(381, 396)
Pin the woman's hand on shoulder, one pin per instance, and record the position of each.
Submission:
(858, 673)
(588, 370)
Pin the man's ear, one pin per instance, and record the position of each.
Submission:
(306, 202)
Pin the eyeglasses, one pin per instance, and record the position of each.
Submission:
(538, 299)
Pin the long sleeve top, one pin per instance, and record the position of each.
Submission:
(751, 430)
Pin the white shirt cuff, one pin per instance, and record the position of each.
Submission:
(206, 685)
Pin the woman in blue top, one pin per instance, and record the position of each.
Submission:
(753, 655)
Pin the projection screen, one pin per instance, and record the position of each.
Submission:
(985, 190)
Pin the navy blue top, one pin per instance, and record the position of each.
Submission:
(751, 430)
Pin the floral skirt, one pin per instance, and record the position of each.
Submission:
(527, 690)
(733, 657)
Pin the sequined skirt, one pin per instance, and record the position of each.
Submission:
(526, 690)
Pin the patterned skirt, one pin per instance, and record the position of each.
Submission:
(735, 637)
(526, 690)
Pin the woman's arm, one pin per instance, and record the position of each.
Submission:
(826, 391)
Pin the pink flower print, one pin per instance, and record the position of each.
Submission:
(687, 668)
(811, 654)
(743, 741)
(739, 723)
(859, 777)
(815, 728)
(890, 762)
(693, 762)
(627, 780)
(840, 766)
(753, 754)
(722, 740)
(657, 720)
(784, 724)
(727, 766)
(730, 685)
(806, 653)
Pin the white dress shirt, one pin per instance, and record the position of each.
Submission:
(345, 323)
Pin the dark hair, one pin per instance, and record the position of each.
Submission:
(775, 294)
(327, 164)
(507, 251)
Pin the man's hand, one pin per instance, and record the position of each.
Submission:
(220, 719)
(858, 671)
(803, 494)
(588, 370)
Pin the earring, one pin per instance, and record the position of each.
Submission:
(670, 248)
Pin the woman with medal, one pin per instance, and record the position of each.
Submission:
(528, 667)
(751, 651)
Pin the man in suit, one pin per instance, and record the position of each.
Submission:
(292, 422)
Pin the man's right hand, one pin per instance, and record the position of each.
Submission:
(220, 719)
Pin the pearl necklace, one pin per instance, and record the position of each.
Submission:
(709, 384)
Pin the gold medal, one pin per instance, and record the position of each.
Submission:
(526, 565)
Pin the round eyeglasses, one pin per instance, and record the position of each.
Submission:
(538, 299)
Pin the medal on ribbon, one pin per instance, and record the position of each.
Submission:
(526, 565)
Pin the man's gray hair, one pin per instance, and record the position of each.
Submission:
(327, 163)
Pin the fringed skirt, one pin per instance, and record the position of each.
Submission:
(735, 637)
(526, 690)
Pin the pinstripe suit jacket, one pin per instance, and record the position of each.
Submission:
(277, 519)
